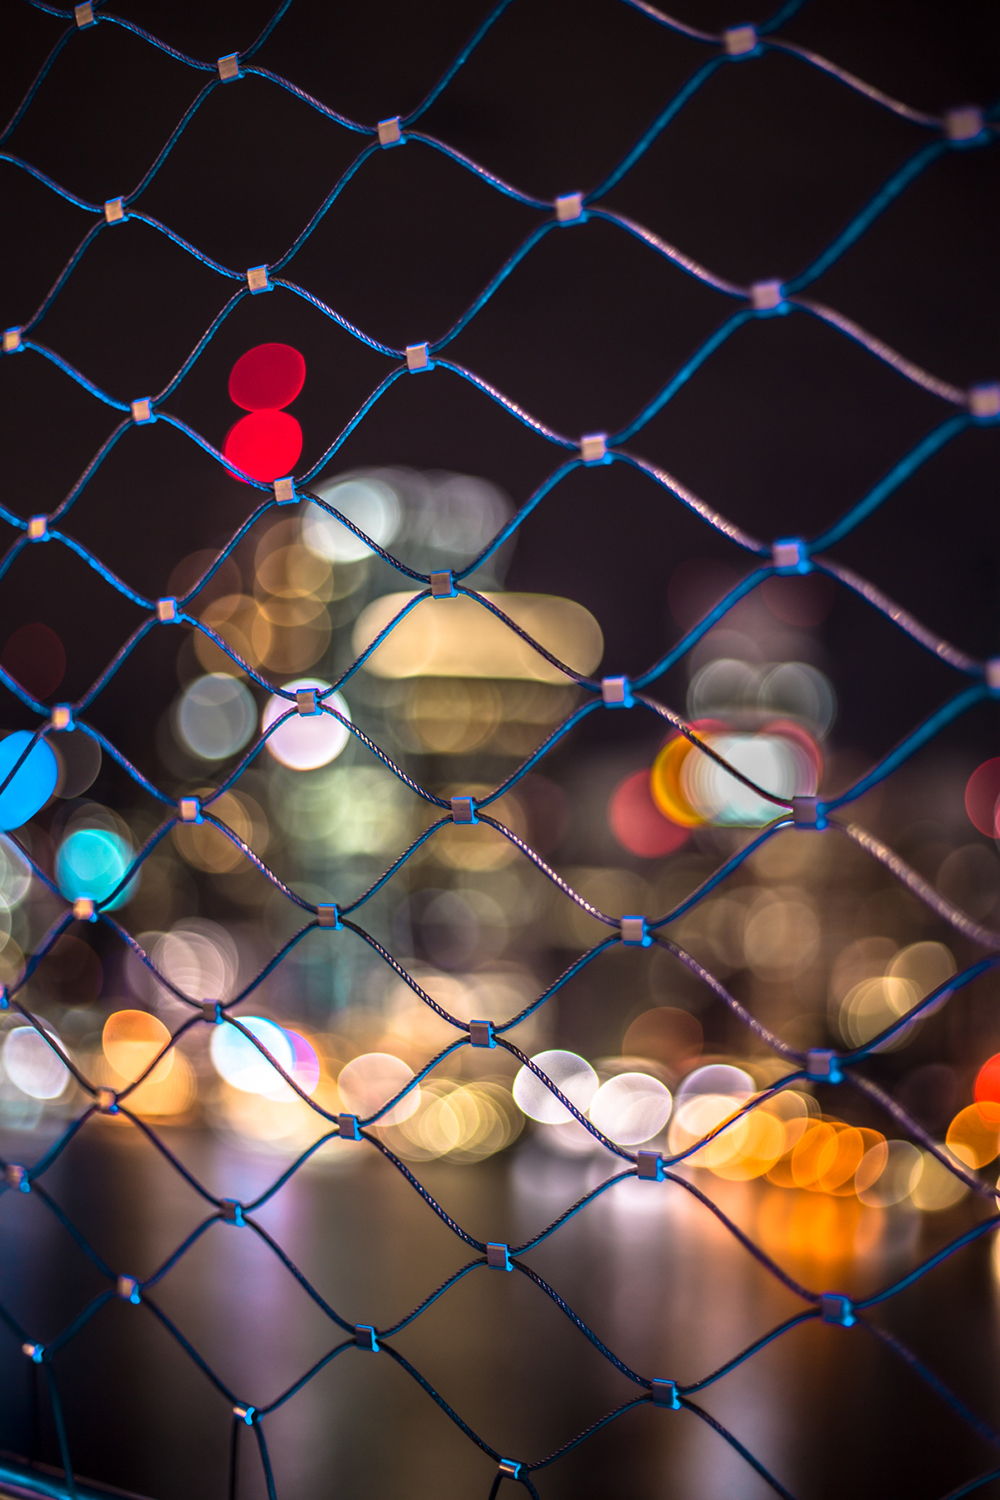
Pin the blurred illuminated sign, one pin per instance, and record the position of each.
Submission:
(459, 638)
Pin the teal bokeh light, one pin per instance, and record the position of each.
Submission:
(32, 785)
(91, 862)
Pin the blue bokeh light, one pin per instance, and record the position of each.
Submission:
(32, 785)
(91, 862)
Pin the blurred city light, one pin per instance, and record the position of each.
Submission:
(716, 1078)
(15, 874)
(32, 784)
(32, 1065)
(132, 1039)
(887, 1173)
(637, 822)
(370, 503)
(306, 743)
(92, 862)
(572, 1075)
(631, 1108)
(264, 444)
(370, 1081)
(268, 376)
(459, 638)
(982, 792)
(199, 957)
(974, 1134)
(987, 1088)
(242, 1065)
(934, 1188)
(216, 716)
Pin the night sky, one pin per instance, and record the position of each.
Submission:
(782, 430)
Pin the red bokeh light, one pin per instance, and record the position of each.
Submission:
(34, 655)
(981, 795)
(266, 444)
(988, 1081)
(637, 823)
(267, 377)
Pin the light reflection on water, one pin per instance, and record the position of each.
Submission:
(647, 1267)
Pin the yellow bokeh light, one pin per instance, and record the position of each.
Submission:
(461, 1122)
(781, 937)
(449, 716)
(459, 638)
(872, 1005)
(164, 1096)
(696, 1117)
(286, 568)
(871, 1165)
(282, 1124)
(839, 1159)
(887, 1173)
(207, 848)
(810, 1153)
(294, 572)
(236, 618)
(936, 1188)
(925, 965)
(763, 1142)
(289, 635)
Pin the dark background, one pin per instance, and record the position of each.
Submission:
(782, 430)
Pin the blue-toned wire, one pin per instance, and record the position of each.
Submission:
(458, 63)
(913, 742)
(897, 475)
(663, 119)
(887, 194)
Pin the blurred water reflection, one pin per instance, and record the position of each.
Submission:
(658, 1279)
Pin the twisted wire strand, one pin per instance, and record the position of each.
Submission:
(972, 1485)
(763, 1259)
(955, 658)
(877, 347)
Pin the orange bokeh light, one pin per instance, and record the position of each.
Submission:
(974, 1134)
(665, 777)
(131, 1040)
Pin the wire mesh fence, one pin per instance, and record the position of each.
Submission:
(964, 128)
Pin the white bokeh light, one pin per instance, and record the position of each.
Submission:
(370, 503)
(631, 1108)
(238, 1061)
(371, 1080)
(33, 1066)
(305, 1070)
(304, 743)
(717, 1078)
(199, 957)
(572, 1075)
(216, 715)
(767, 759)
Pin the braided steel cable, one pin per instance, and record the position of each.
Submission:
(979, 406)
